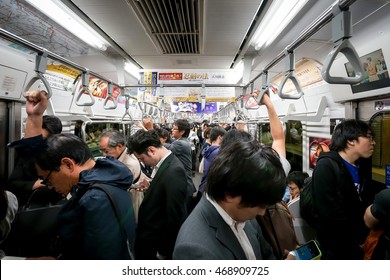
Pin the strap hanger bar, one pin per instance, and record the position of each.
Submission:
(289, 75)
(110, 97)
(40, 69)
(85, 88)
(341, 32)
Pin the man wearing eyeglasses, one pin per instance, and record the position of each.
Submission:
(181, 147)
(342, 190)
(113, 143)
(97, 222)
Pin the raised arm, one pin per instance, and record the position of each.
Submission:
(276, 127)
(36, 104)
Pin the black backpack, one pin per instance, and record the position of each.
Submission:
(307, 208)
(306, 203)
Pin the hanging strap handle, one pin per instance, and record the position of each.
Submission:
(40, 69)
(85, 82)
(110, 97)
(341, 31)
(290, 76)
(127, 106)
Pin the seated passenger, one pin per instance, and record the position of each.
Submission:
(304, 232)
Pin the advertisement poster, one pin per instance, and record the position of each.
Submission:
(147, 94)
(316, 147)
(375, 72)
(194, 107)
(187, 93)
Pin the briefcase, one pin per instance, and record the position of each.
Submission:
(33, 231)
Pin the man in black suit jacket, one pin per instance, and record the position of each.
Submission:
(163, 209)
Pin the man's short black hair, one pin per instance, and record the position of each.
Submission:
(52, 124)
(247, 169)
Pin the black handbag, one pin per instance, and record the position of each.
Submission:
(33, 230)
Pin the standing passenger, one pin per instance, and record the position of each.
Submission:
(112, 143)
(377, 218)
(163, 209)
(24, 181)
(181, 148)
(243, 180)
(339, 191)
(88, 227)
(209, 153)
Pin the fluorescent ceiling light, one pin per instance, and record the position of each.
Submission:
(276, 19)
(64, 16)
(132, 69)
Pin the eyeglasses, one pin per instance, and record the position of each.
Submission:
(105, 150)
(46, 180)
(175, 129)
(369, 137)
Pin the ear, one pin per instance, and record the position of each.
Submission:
(152, 149)
(351, 142)
(68, 164)
(232, 199)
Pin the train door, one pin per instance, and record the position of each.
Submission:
(10, 130)
(377, 114)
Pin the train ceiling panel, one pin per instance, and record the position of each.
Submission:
(177, 34)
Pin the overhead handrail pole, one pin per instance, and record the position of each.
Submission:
(39, 50)
(85, 88)
(40, 69)
(110, 97)
(341, 32)
(183, 85)
(289, 75)
(312, 28)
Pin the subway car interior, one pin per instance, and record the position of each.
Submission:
(109, 64)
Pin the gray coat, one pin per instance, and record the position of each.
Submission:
(206, 236)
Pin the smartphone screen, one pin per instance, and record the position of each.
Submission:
(308, 251)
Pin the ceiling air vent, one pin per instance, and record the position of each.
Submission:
(174, 25)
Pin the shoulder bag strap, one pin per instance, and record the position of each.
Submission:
(274, 231)
(108, 191)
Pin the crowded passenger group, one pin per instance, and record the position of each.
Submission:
(140, 200)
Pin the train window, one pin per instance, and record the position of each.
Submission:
(294, 144)
(263, 134)
(380, 124)
(94, 130)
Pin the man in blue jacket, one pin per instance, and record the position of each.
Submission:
(88, 224)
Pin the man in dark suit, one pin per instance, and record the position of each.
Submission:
(222, 225)
(181, 148)
(163, 209)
